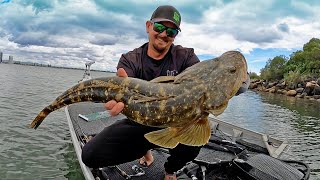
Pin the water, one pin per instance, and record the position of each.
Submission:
(47, 153)
(295, 120)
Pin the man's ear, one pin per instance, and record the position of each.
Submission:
(148, 24)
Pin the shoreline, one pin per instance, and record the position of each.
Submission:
(304, 90)
(50, 66)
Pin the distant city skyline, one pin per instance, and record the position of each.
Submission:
(2, 59)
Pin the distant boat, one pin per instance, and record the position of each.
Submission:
(87, 75)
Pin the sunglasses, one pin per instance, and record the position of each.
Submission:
(171, 32)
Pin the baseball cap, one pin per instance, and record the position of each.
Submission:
(167, 13)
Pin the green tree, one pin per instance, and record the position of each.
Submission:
(274, 68)
(253, 75)
(313, 43)
(296, 62)
(305, 62)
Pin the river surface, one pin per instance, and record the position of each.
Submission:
(47, 153)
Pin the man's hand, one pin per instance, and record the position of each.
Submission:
(114, 106)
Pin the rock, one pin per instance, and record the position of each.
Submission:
(318, 81)
(299, 90)
(261, 88)
(309, 87)
(273, 90)
(284, 91)
(253, 85)
(316, 96)
(270, 85)
(264, 84)
(279, 91)
(291, 93)
(307, 91)
(300, 85)
(256, 81)
(316, 90)
(299, 96)
(311, 84)
(281, 85)
(291, 86)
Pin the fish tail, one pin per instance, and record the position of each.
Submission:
(95, 90)
(70, 97)
(38, 120)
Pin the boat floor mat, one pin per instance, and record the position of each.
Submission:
(133, 170)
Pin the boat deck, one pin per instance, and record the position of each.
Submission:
(208, 155)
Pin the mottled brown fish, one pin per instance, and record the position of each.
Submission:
(179, 104)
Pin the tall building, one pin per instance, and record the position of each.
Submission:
(10, 60)
(1, 54)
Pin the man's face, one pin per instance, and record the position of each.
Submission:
(160, 41)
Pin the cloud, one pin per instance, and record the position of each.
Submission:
(68, 32)
(283, 27)
(4, 1)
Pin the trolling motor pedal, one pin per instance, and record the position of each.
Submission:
(138, 170)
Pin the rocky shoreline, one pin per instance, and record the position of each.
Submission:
(309, 89)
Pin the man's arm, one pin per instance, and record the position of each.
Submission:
(127, 66)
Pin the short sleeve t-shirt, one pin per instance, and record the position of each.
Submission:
(139, 65)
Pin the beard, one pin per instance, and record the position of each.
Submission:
(158, 48)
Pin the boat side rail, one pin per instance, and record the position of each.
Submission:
(235, 133)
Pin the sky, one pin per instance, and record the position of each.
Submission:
(72, 32)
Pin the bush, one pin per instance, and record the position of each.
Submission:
(253, 76)
(293, 78)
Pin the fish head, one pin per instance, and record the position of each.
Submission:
(226, 76)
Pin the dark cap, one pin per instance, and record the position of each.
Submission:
(167, 13)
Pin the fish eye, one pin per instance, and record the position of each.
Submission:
(232, 69)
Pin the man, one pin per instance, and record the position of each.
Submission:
(124, 140)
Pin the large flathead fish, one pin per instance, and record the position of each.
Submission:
(179, 104)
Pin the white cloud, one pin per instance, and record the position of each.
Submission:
(71, 32)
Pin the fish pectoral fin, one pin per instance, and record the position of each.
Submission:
(163, 79)
(164, 137)
(218, 110)
(197, 134)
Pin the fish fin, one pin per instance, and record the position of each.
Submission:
(163, 79)
(219, 110)
(197, 134)
(164, 137)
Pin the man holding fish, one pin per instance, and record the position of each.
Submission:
(166, 94)
(124, 141)
(157, 58)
